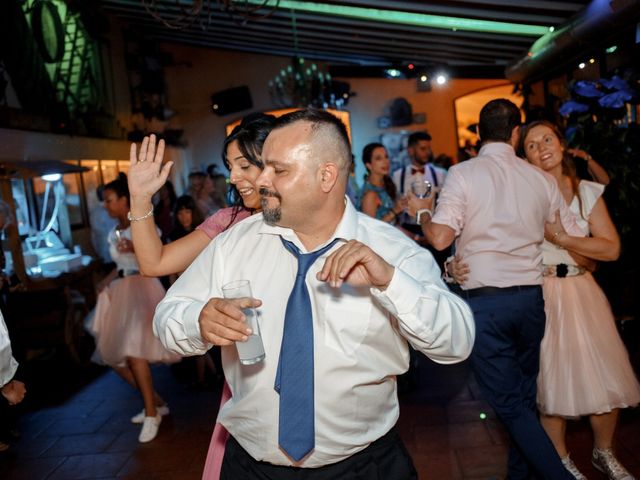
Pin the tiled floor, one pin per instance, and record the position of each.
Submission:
(76, 426)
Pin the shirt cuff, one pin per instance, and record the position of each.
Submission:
(401, 295)
(191, 324)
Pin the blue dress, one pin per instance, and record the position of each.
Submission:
(386, 202)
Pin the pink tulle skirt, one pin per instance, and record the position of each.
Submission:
(584, 366)
(123, 321)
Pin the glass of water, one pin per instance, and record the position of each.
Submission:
(421, 188)
(251, 351)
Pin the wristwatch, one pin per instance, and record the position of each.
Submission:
(422, 211)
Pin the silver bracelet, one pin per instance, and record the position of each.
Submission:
(137, 219)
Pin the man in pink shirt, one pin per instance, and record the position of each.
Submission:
(495, 207)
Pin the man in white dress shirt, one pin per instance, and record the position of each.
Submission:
(371, 294)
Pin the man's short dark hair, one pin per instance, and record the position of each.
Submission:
(498, 118)
(416, 137)
(318, 119)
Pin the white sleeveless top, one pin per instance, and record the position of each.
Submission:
(589, 193)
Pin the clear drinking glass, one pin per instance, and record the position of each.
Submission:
(251, 351)
(421, 188)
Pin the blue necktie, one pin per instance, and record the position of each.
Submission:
(294, 378)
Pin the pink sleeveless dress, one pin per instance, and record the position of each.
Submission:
(212, 226)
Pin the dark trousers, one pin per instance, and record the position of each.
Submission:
(505, 359)
(385, 459)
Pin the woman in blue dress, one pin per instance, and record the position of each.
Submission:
(379, 197)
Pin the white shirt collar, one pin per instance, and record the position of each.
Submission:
(347, 228)
(496, 147)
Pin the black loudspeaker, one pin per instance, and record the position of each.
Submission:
(400, 112)
(231, 100)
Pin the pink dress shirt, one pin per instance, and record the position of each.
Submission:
(497, 204)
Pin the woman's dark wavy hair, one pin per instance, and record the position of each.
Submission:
(250, 135)
(367, 153)
(568, 165)
(119, 186)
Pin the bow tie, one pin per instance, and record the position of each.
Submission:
(415, 170)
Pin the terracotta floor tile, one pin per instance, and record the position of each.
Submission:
(483, 462)
(26, 448)
(87, 433)
(79, 467)
(32, 426)
(32, 469)
(70, 426)
(70, 410)
(421, 414)
(442, 438)
(434, 466)
(468, 411)
(81, 444)
(125, 441)
(157, 458)
(497, 432)
(175, 475)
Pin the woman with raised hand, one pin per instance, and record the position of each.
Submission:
(124, 314)
(241, 155)
(584, 366)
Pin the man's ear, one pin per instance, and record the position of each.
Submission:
(328, 176)
(515, 136)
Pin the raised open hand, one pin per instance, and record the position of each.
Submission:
(146, 172)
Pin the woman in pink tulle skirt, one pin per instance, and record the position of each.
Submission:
(241, 155)
(584, 366)
(124, 315)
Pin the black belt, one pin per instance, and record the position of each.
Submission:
(491, 291)
(238, 463)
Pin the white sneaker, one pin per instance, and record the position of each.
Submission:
(150, 428)
(571, 467)
(607, 463)
(139, 417)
